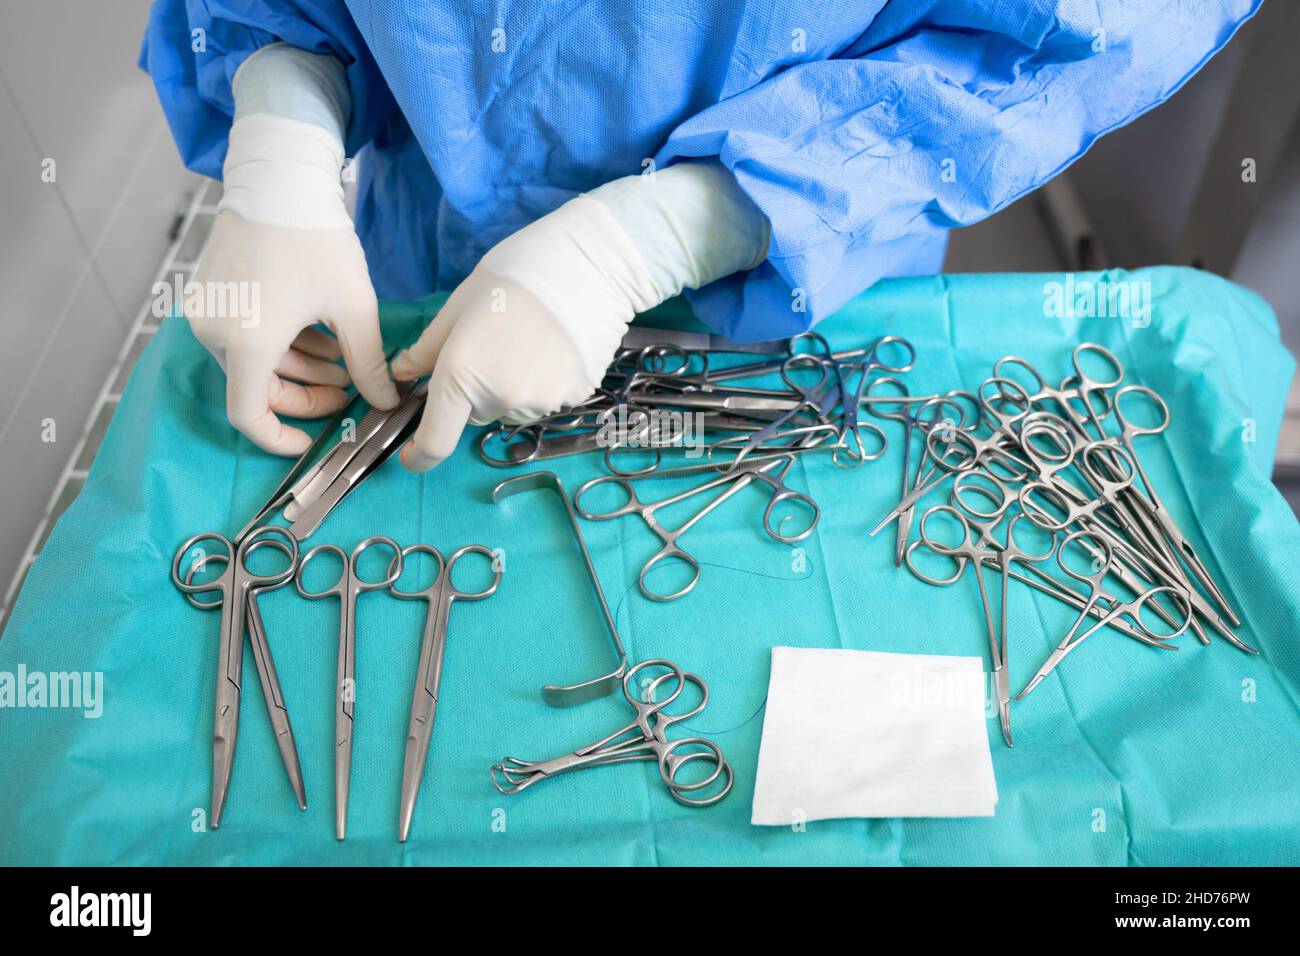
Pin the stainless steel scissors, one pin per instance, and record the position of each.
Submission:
(236, 584)
(347, 587)
(272, 694)
(644, 738)
(439, 595)
(820, 398)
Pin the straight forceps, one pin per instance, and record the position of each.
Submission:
(236, 585)
(1131, 611)
(644, 738)
(347, 587)
(439, 595)
(772, 473)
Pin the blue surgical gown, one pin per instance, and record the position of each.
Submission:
(863, 129)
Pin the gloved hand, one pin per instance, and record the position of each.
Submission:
(283, 244)
(537, 322)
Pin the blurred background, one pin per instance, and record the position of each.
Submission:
(79, 254)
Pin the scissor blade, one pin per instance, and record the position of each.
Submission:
(417, 755)
(223, 761)
(342, 773)
(275, 708)
(225, 718)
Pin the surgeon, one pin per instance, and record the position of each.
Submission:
(562, 167)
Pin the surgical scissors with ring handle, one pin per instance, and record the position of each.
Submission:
(272, 693)
(235, 585)
(1115, 609)
(873, 361)
(644, 738)
(347, 588)
(771, 473)
(439, 595)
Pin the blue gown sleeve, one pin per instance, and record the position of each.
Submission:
(192, 49)
(942, 113)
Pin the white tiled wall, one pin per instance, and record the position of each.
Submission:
(77, 255)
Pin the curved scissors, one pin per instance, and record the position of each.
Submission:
(347, 587)
(266, 672)
(439, 595)
(644, 738)
(235, 585)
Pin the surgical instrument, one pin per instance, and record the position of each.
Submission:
(771, 473)
(1131, 610)
(568, 695)
(644, 738)
(347, 588)
(439, 595)
(272, 694)
(234, 584)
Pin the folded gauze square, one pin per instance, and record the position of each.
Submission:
(868, 734)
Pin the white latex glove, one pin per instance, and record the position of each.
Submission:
(536, 324)
(284, 253)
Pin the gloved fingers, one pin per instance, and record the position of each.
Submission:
(305, 401)
(312, 370)
(446, 412)
(419, 359)
(249, 383)
(363, 352)
(319, 343)
(518, 418)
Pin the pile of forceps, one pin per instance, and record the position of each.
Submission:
(1039, 476)
(677, 394)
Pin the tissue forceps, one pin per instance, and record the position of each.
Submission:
(234, 584)
(347, 588)
(439, 595)
(644, 738)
